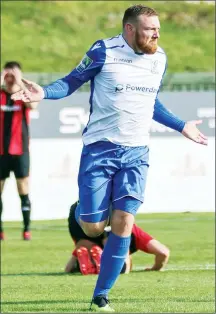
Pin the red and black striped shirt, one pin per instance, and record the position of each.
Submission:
(14, 126)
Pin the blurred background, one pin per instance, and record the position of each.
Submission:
(49, 38)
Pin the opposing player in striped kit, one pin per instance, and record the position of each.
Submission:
(14, 141)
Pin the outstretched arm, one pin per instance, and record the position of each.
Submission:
(71, 265)
(63, 87)
(188, 129)
(87, 69)
(164, 116)
(161, 253)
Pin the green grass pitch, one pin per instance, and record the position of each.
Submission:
(33, 279)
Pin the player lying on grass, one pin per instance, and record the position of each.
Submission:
(86, 256)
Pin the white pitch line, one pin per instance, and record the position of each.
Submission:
(153, 220)
(139, 220)
(181, 268)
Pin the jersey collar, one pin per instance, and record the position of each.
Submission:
(129, 47)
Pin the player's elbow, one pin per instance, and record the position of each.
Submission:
(164, 254)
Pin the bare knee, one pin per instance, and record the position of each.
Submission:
(1, 185)
(122, 223)
(165, 253)
(93, 229)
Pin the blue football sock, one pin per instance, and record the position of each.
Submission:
(112, 261)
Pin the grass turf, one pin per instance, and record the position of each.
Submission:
(53, 36)
(33, 279)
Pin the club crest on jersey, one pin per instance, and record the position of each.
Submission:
(96, 46)
(84, 64)
(154, 67)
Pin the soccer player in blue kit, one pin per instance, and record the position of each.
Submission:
(126, 72)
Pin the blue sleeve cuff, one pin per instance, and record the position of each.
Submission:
(165, 117)
(58, 89)
(45, 92)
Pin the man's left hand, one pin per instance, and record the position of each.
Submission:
(193, 133)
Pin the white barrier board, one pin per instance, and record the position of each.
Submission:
(181, 178)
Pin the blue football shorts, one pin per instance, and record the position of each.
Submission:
(111, 176)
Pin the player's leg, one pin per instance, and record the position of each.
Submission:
(21, 165)
(83, 244)
(4, 174)
(95, 187)
(23, 190)
(96, 253)
(81, 258)
(2, 236)
(128, 194)
(97, 167)
(127, 267)
(114, 254)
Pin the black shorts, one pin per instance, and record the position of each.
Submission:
(19, 164)
(76, 231)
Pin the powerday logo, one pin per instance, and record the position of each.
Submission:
(84, 64)
(132, 88)
(119, 88)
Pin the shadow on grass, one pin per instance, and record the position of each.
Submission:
(43, 302)
(42, 274)
(170, 299)
(37, 302)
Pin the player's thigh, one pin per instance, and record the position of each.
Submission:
(2, 182)
(129, 183)
(76, 232)
(95, 185)
(5, 168)
(21, 166)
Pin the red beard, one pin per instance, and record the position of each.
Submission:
(148, 48)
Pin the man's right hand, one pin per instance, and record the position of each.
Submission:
(32, 93)
(3, 74)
